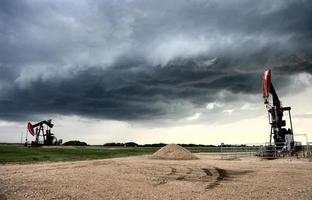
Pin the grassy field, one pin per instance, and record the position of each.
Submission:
(15, 153)
(21, 154)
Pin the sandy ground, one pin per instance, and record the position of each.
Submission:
(143, 178)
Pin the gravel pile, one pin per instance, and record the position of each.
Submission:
(173, 152)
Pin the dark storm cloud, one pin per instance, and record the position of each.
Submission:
(138, 60)
(111, 93)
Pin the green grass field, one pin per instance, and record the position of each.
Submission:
(15, 153)
(21, 154)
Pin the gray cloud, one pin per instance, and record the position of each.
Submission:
(139, 60)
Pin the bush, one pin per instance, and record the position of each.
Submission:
(127, 144)
(75, 143)
(131, 144)
(113, 144)
(155, 145)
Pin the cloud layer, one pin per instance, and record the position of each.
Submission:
(147, 60)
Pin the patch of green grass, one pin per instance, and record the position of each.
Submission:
(21, 154)
(15, 153)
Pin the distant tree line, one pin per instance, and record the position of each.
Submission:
(133, 144)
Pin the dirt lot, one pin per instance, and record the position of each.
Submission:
(143, 178)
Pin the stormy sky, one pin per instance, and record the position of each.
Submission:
(150, 63)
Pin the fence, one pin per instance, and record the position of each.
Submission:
(266, 150)
(230, 152)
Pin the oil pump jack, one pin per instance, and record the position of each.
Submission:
(283, 138)
(42, 137)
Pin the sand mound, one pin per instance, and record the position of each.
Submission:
(173, 152)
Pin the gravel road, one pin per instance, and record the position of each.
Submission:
(144, 178)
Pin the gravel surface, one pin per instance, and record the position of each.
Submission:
(143, 178)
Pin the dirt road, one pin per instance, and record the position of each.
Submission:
(143, 178)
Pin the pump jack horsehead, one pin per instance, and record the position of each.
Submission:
(283, 138)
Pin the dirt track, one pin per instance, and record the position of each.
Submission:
(142, 178)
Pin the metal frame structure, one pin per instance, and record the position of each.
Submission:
(42, 133)
(275, 116)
